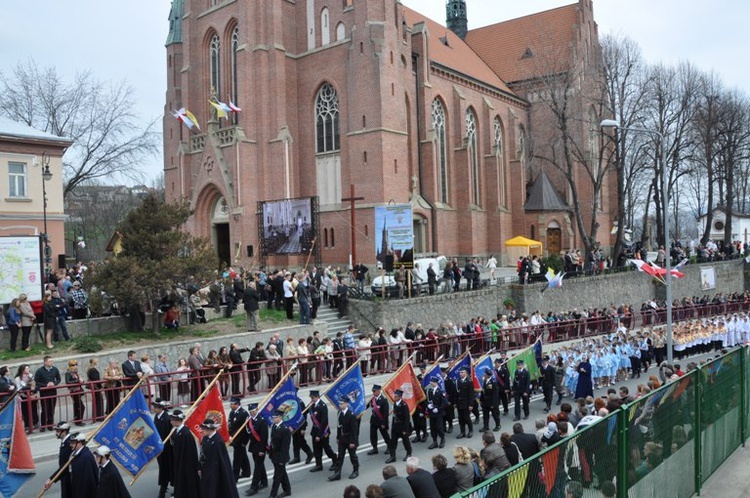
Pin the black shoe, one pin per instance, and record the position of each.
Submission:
(372, 452)
(497, 428)
(391, 459)
(309, 458)
(285, 494)
(461, 436)
(354, 475)
(317, 468)
(433, 445)
(335, 477)
(546, 410)
(293, 461)
(525, 417)
(450, 429)
(516, 419)
(416, 440)
(442, 443)
(485, 429)
(332, 468)
(263, 486)
(470, 434)
(251, 492)
(407, 456)
(245, 476)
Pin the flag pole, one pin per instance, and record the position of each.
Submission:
(309, 254)
(135, 388)
(7, 401)
(265, 400)
(435, 364)
(135, 478)
(483, 356)
(395, 374)
(197, 401)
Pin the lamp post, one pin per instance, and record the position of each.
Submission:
(611, 123)
(46, 176)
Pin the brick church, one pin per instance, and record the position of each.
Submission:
(371, 94)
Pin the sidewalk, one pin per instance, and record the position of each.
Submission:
(730, 480)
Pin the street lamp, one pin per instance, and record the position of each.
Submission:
(46, 176)
(611, 123)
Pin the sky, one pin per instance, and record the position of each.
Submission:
(119, 40)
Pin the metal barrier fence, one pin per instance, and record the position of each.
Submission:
(664, 444)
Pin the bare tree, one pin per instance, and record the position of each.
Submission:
(98, 117)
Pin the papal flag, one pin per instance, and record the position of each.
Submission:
(16, 462)
(406, 380)
(351, 385)
(210, 407)
(131, 435)
(284, 397)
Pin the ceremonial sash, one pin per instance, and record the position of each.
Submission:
(376, 409)
(325, 431)
(255, 433)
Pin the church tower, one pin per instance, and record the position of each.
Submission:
(456, 19)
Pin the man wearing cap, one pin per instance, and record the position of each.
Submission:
(216, 474)
(62, 432)
(464, 403)
(490, 400)
(378, 419)
(185, 457)
(503, 379)
(236, 421)
(450, 396)
(257, 430)
(400, 426)
(548, 383)
(111, 484)
(299, 443)
(521, 390)
(281, 438)
(320, 431)
(84, 473)
(163, 427)
(347, 439)
(436, 411)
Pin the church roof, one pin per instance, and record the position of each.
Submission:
(543, 196)
(447, 49)
(513, 48)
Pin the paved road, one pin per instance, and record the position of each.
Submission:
(316, 485)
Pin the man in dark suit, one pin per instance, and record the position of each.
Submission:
(395, 486)
(111, 484)
(320, 431)
(436, 403)
(527, 444)
(62, 430)
(238, 364)
(83, 468)
(347, 438)
(236, 420)
(299, 443)
(420, 480)
(281, 439)
(490, 400)
(450, 396)
(131, 370)
(503, 379)
(257, 430)
(185, 458)
(163, 427)
(548, 383)
(217, 478)
(464, 403)
(521, 390)
(400, 426)
(378, 419)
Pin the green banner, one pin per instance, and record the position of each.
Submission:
(527, 355)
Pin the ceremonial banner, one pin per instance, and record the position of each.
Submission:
(482, 364)
(529, 360)
(131, 435)
(211, 406)
(406, 379)
(16, 462)
(454, 369)
(394, 234)
(351, 385)
(284, 397)
(433, 371)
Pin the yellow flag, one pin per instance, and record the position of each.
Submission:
(220, 112)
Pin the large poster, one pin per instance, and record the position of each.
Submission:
(288, 226)
(20, 268)
(708, 278)
(394, 234)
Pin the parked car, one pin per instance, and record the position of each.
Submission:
(420, 265)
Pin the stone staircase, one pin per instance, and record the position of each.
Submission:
(331, 318)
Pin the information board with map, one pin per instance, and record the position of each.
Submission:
(20, 268)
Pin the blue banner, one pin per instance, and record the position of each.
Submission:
(131, 435)
(434, 371)
(352, 386)
(16, 463)
(484, 364)
(284, 398)
(455, 369)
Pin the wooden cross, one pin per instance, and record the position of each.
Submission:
(352, 199)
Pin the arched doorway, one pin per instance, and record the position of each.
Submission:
(220, 231)
(419, 227)
(554, 238)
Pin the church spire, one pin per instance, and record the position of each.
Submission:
(456, 19)
(175, 22)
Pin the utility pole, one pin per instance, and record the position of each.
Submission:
(352, 199)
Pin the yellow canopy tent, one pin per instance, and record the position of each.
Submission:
(521, 246)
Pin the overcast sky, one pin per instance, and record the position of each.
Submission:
(125, 40)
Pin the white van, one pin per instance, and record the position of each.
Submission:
(420, 267)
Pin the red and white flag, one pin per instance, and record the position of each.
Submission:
(406, 380)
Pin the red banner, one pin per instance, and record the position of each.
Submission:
(211, 406)
(406, 380)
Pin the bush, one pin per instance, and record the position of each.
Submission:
(87, 344)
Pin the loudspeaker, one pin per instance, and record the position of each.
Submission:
(389, 262)
(250, 251)
(61, 261)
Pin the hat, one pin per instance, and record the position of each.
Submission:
(344, 399)
(398, 392)
(209, 424)
(487, 372)
(177, 415)
(434, 379)
(102, 450)
(519, 362)
(465, 369)
(376, 387)
(252, 406)
(62, 426)
(162, 403)
(315, 393)
(235, 400)
(498, 361)
(278, 413)
(78, 437)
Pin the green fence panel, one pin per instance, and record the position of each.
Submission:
(720, 410)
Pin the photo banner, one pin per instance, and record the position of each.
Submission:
(394, 234)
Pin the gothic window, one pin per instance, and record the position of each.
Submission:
(215, 64)
(325, 30)
(497, 148)
(235, 76)
(327, 120)
(340, 31)
(441, 149)
(333, 238)
(471, 150)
